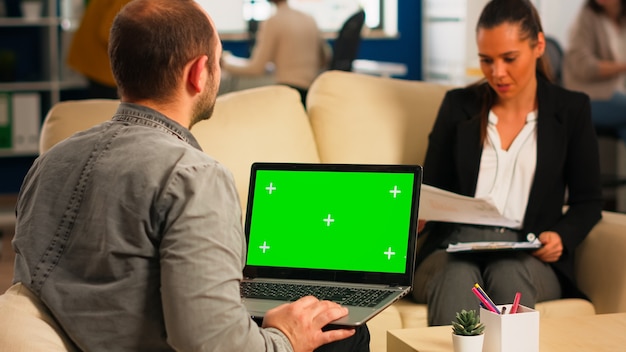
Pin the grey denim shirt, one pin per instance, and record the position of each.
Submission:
(132, 237)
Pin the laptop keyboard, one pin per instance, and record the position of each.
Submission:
(291, 292)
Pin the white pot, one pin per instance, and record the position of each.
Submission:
(468, 343)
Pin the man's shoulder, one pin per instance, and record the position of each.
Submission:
(196, 162)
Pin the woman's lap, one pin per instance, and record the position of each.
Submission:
(444, 281)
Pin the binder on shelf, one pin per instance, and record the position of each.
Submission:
(19, 122)
(6, 133)
(26, 122)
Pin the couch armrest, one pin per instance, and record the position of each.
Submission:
(27, 325)
(601, 264)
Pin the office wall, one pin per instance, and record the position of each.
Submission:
(557, 17)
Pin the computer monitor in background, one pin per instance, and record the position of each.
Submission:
(232, 16)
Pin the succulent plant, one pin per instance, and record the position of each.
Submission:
(467, 323)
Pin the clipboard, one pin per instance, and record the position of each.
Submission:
(492, 246)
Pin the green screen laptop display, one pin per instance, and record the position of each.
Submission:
(332, 217)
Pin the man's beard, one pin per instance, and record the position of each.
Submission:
(205, 105)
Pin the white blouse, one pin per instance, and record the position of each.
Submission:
(505, 176)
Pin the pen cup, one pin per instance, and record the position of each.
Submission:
(517, 332)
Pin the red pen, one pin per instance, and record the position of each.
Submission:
(486, 297)
(515, 303)
(484, 301)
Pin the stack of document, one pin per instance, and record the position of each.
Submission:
(439, 205)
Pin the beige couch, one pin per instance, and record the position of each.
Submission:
(353, 118)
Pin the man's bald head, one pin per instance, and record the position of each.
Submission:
(151, 41)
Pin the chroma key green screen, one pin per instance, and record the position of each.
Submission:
(355, 221)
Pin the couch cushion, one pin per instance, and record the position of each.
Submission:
(365, 119)
(26, 325)
(390, 318)
(413, 315)
(567, 307)
(68, 117)
(260, 124)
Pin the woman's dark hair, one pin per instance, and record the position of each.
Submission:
(151, 41)
(593, 5)
(495, 13)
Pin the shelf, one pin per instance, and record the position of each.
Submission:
(41, 41)
(65, 23)
(24, 22)
(40, 85)
(9, 153)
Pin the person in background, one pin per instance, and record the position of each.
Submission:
(526, 144)
(138, 246)
(595, 61)
(88, 50)
(291, 40)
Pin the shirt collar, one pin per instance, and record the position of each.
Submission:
(145, 116)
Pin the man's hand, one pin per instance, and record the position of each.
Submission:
(302, 322)
(552, 248)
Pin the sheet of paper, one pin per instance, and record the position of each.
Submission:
(492, 246)
(439, 205)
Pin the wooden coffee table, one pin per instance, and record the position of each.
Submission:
(597, 333)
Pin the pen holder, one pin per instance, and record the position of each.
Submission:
(517, 332)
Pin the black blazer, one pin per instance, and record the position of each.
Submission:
(567, 165)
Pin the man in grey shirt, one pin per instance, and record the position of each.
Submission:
(130, 235)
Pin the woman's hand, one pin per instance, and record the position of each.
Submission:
(552, 248)
(420, 225)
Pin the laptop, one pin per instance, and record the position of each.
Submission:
(350, 229)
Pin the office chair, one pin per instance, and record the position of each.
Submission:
(554, 55)
(346, 46)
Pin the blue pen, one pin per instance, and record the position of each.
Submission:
(484, 294)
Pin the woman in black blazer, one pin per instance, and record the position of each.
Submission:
(529, 146)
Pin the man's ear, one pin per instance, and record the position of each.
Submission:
(196, 76)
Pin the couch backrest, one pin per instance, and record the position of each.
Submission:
(365, 119)
(68, 117)
(260, 124)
